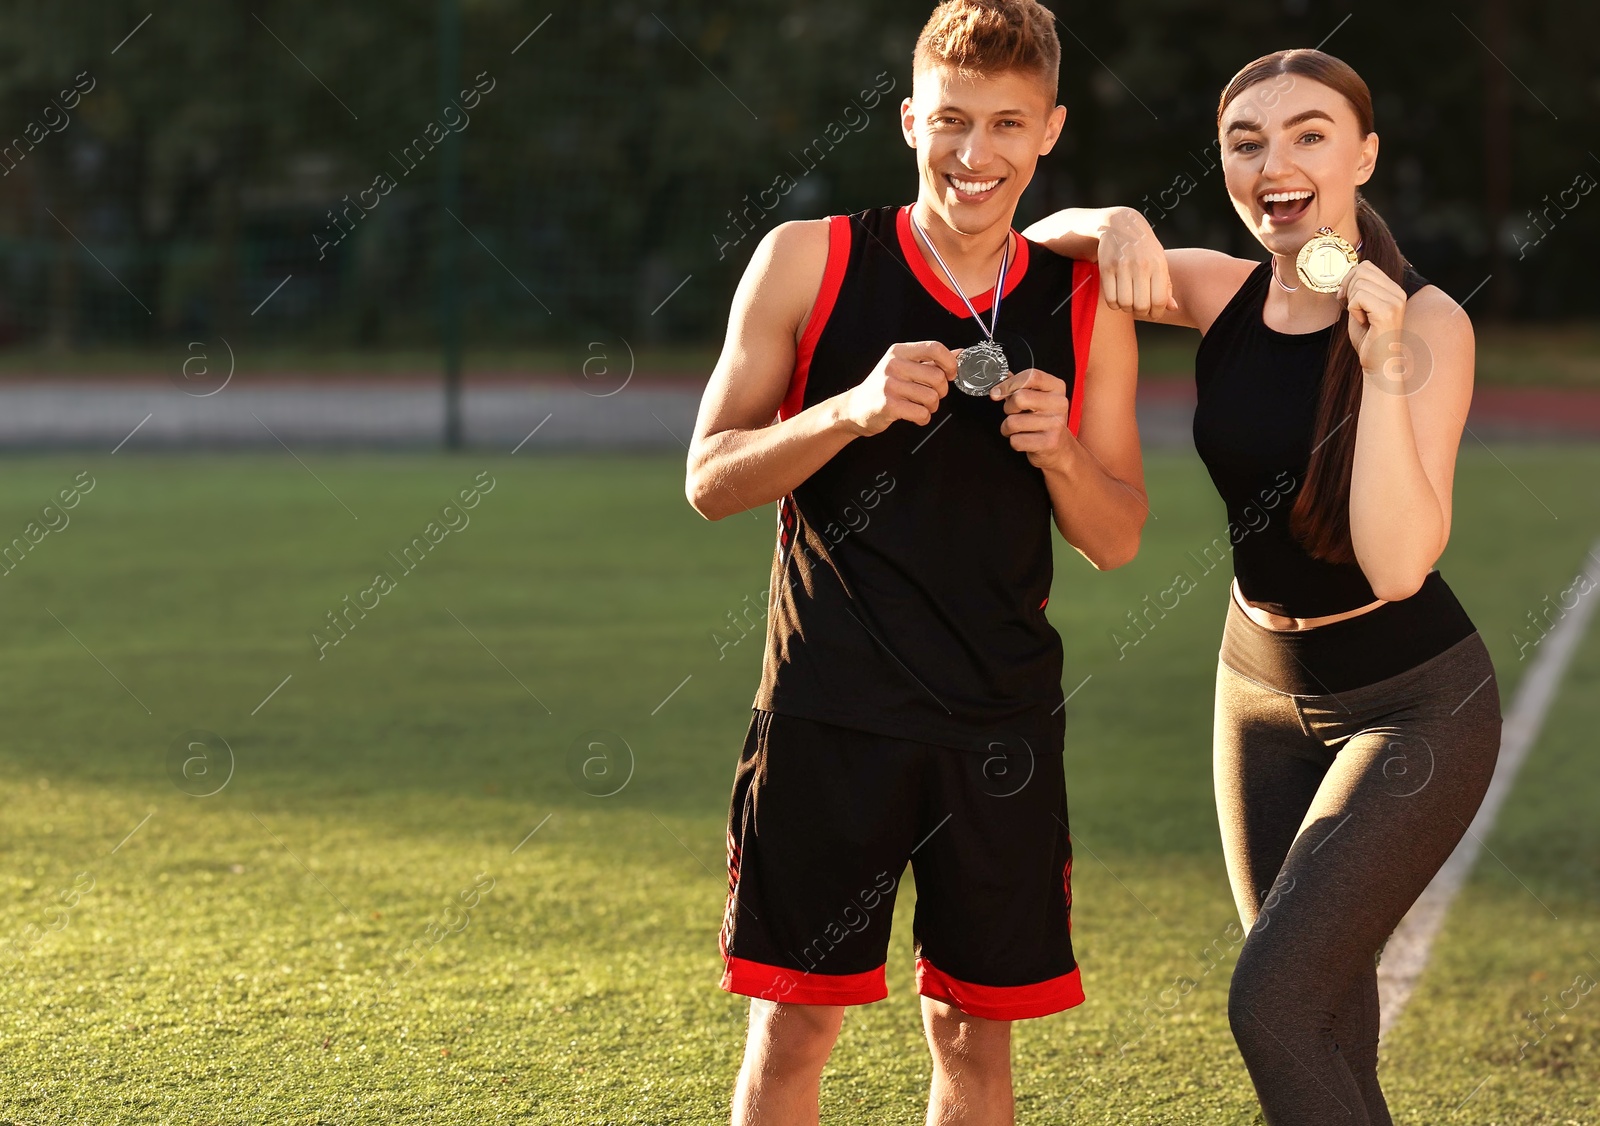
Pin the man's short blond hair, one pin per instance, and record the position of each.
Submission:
(991, 37)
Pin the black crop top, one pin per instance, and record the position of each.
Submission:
(1257, 405)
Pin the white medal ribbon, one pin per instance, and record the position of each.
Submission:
(999, 284)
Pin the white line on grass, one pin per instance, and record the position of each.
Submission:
(1406, 955)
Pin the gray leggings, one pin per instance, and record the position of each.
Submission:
(1336, 810)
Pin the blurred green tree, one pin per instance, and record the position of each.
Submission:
(627, 153)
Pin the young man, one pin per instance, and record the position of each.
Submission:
(910, 701)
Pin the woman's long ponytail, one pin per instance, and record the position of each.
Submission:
(1320, 518)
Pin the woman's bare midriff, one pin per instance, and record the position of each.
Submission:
(1268, 620)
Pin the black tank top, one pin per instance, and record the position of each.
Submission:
(912, 570)
(1254, 419)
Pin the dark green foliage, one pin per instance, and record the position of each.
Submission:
(621, 141)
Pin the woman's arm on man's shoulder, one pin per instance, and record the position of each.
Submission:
(1188, 286)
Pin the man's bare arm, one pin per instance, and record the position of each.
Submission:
(739, 457)
(1096, 479)
(1098, 495)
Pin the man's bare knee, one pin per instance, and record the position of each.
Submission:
(794, 1035)
(783, 1061)
(960, 1037)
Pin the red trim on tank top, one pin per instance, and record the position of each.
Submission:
(821, 309)
(938, 288)
(1085, 298)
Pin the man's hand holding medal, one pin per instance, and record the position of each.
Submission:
(908, 383)
(1036, 415)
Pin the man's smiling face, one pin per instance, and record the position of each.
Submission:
(978, 139)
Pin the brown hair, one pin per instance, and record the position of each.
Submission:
(1320, 519)
(992, 37)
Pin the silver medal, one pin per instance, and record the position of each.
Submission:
(980, 367)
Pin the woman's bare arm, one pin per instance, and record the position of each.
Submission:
(1417, 356)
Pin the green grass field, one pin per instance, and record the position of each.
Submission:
(358, 927)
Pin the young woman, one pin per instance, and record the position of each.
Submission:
(1357, 715)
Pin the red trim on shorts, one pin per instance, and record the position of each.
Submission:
(936, 285)
(1085, 298)
(798, 987)
(1000, 1002)
(821, 309)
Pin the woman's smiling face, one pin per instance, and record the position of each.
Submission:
(1293, 156)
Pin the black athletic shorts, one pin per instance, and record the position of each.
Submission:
(823, 822)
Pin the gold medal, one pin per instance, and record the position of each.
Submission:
(1324, 261)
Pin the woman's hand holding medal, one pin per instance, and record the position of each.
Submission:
(1376, 302)
(1377, 313)
(908, 383)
